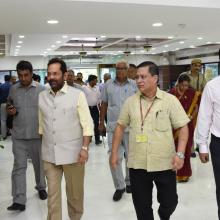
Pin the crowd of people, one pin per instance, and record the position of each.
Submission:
(155, 131)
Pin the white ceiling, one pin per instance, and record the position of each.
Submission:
(185, 20)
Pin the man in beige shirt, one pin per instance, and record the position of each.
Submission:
(151, 114)
(66, 127)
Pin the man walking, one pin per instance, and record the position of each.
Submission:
(66, 127)
(151, 115)
(22, 104)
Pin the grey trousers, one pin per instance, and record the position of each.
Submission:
(3, 120)
(117, 174)
(22, 148)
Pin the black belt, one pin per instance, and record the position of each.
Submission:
(95, 106)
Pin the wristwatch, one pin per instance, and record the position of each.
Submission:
(85, 148)
(180, 155)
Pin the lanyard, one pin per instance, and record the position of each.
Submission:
(143, 118)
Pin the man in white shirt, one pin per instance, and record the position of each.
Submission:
(209, 122)
(93, 96)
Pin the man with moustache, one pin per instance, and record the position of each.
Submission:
(22, 104)
(151, 115)
(66, 127)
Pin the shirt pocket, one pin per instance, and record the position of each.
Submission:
(162, 122)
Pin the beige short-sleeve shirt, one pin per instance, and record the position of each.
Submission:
(165, 115)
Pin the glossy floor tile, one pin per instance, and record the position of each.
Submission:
(196, 198)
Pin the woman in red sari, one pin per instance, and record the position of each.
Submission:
(188, 97)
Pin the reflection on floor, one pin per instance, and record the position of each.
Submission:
(196, 198)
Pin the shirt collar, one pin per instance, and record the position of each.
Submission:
(116, 82)
(159, 94)
(33, 84)
(62, 90)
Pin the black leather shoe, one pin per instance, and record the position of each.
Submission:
(98, 142)
(128, 189)
(42, 194)
(16, 207)
(118, 194)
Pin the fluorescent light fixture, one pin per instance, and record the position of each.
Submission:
(158, 24)
(64, 36)
(217, 42)
(18, 46)
(1, 53)
(103, 36)
(153, 53)
(142, 51)
(208, 42)
(58, 42)
(119, 51)
(52, 22)
(192, 46)
(153, 48)
(177, 48)
(199, 38)
(48, 49)
(164, 51)
(138, 37)
(45, 51)
(21, 36)
(170, 37)
(20, 42)
(181, 42)
(166, 45)
(53, 46)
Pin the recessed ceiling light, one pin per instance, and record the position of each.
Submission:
(48, 49)
(52, 22)
(166, 45)
(192, 46)
(64, 36)
(170, 37)
(21, 36)
(158, 24)
(119, 51)
(103, 36)
(18, 46)
(153, 53)
(208, 42)
(199, 38)
(142, 51)
(164, 51)
(58, 42)
(20, 42)
(138, 37)
(177, 48)
(53, 46)
(45, 51)
(181, 42)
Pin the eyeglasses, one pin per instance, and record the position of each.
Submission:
(121, 68)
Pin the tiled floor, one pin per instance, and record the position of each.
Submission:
(196, 198)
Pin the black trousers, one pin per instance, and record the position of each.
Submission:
(142, 187)
(215, 155)
(95, 116)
